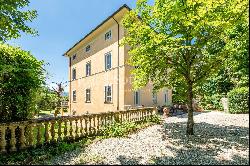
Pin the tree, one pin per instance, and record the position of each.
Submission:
(45, 100)
(21, 75)
(13, 19)
(58, 90)
(186, 40)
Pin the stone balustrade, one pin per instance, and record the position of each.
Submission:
(16, 136)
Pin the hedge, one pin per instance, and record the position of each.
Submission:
(239, 100)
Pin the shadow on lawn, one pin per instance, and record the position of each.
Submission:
(211, 144)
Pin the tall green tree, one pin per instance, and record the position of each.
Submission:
(186, 40)
(21, 76)
(13, 19)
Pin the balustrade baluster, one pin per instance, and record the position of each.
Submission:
(13, 138)
(46, 134)
(76, 131)
(97, 123)
(59, 131)
(38, 138)
(22, 137)
(3, 140)
(86, 125)
(81, 128)
(52, 131)
(30, 135)
(94, 124)
(71, 129)
(90, 125)
(65, 129)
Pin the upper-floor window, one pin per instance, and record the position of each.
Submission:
(108, 94)
(87, 96)
(87, 49)
(108, 35)
(74, 57)
(108, 61)
(74, 74)
(88, 68)
(154, 98)
(74, 95)
(137, 98)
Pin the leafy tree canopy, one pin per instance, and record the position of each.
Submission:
(184, 40)
(21, 75)
(13, 19)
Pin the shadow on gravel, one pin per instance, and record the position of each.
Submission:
(211, 144)
(206, 146)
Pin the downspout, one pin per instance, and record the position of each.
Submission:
(118, 63)
(70, 85)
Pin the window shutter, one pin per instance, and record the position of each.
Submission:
(104, 93)
(112, 93)
(105, 63)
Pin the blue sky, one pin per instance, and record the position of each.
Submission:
(60, 24)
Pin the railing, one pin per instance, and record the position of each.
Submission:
(34, 133)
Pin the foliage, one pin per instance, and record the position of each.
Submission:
(120, 129)
(45, 100)
(212, 102)
(117, 129)
(43, 154)
(13, 19)
(186, 40)
(58, 90)
(156, 119)
(239, 100)
(21, 75)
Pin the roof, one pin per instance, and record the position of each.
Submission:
(122, 7)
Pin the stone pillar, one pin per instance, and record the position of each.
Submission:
(225, 104)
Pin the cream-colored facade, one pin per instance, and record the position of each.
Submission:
(88, 88)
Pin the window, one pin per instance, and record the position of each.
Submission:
(74, 56)
(154, 98)
(108, 35)
(108, 94)
(74, 95)
(137, 98)
(108, 61)
(87, 49)
(87, 96)
(88, 68)
(166, 97)
(73, 74)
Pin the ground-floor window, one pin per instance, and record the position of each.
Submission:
(74, 95)
(137, 97)
(154, 98)
(108, 94)
(166, 97)
(87, 96)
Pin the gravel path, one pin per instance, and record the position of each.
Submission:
(219, 139)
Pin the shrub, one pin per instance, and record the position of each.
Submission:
(117, 129)
(21, 74)
(239, 100)
(155, 119)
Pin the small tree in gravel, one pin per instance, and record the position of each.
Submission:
(184, 40)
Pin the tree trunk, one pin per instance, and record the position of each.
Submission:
(190, 122)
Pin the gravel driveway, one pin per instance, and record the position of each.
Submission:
(219, 139)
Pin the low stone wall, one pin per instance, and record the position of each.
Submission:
(34, 133)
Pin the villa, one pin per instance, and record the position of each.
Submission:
(100, 78)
